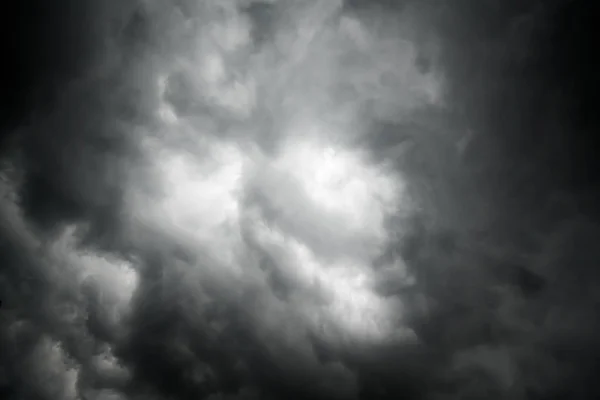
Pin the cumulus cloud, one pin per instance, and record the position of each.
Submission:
(273, 199)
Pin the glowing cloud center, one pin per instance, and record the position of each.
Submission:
(329, 203)
(339, 182)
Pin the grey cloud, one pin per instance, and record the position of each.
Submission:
(495, 312)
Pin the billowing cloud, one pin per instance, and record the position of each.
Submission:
(249, 199)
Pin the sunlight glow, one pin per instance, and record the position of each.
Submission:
(340, 182)
(202, 200)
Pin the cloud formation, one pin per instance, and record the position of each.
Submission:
(309, 199)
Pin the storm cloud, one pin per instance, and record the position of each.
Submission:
(299, 199)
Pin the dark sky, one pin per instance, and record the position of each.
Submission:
(299, 199)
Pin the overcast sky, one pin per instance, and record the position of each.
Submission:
(299, 199)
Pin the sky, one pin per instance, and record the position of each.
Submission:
(299, 199)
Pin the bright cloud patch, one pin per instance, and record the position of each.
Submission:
(343, 201)
(338, 181)
(348, 302)
(199, 191)
(202, 197)
(316, 204)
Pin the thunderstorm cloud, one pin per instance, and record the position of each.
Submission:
(312, 199)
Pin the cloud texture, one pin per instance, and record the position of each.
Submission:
(297, 199)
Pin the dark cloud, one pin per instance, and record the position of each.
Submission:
(162, 233)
